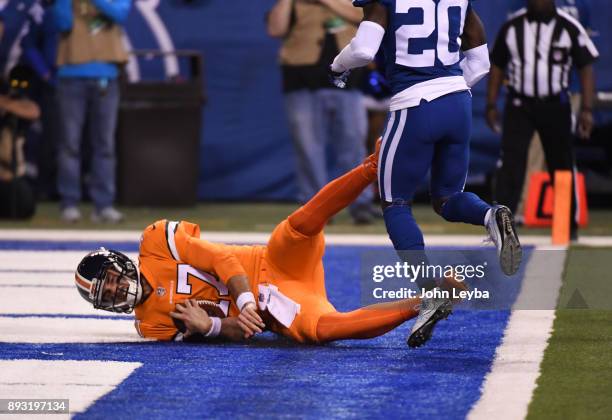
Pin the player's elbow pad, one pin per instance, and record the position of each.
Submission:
(476, 64)
(362, 49)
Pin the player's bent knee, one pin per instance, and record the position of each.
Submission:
(438, 204)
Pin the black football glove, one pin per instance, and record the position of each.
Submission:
(339, 79)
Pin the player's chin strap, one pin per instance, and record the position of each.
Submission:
(476, 64)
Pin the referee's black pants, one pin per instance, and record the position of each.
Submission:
(552, 119)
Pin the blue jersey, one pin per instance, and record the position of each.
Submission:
(423, 40)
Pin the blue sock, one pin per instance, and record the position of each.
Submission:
(403, 229)
(465, 207)
(407, 236)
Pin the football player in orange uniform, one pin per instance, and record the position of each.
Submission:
(186, 286)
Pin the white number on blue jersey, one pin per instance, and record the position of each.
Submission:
(405, 33)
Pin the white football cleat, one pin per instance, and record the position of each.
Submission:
(432, 310)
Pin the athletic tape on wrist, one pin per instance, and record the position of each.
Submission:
(215, 327)
(243, 299)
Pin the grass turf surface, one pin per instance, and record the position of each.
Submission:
(263, 217)
(576, 373)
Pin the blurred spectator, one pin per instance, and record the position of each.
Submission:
(16, 112)
(537, 49)
(14, 25)
(89, 55)
(313, 32)
(39, 51)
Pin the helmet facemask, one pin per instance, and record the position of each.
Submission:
(120, 270)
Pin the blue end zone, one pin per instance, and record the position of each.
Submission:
(274, 377)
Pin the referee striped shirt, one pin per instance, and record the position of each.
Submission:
(538, 54)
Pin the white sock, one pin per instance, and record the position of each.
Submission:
(488, 216)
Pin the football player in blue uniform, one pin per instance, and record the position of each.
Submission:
(429, 125)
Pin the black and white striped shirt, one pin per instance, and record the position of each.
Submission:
(538, 54)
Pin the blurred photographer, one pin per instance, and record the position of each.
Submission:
(16, 113)
(321, 115)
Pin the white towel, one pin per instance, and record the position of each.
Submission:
(282, 308)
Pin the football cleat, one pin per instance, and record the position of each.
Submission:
(432, 310)
(503, 234)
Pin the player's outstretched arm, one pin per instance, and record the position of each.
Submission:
(476, 64)
(363, 47)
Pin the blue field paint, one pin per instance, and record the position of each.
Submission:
(273, 377)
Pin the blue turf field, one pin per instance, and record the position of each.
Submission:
(273, 377)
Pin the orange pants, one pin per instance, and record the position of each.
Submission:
(294, 264)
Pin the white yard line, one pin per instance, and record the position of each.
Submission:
(81, 381)
(31, 298)
(40, 330)
(509, 386)
(256, 238)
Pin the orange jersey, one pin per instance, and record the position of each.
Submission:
(179, 266)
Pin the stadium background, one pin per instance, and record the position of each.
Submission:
(246, 151)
